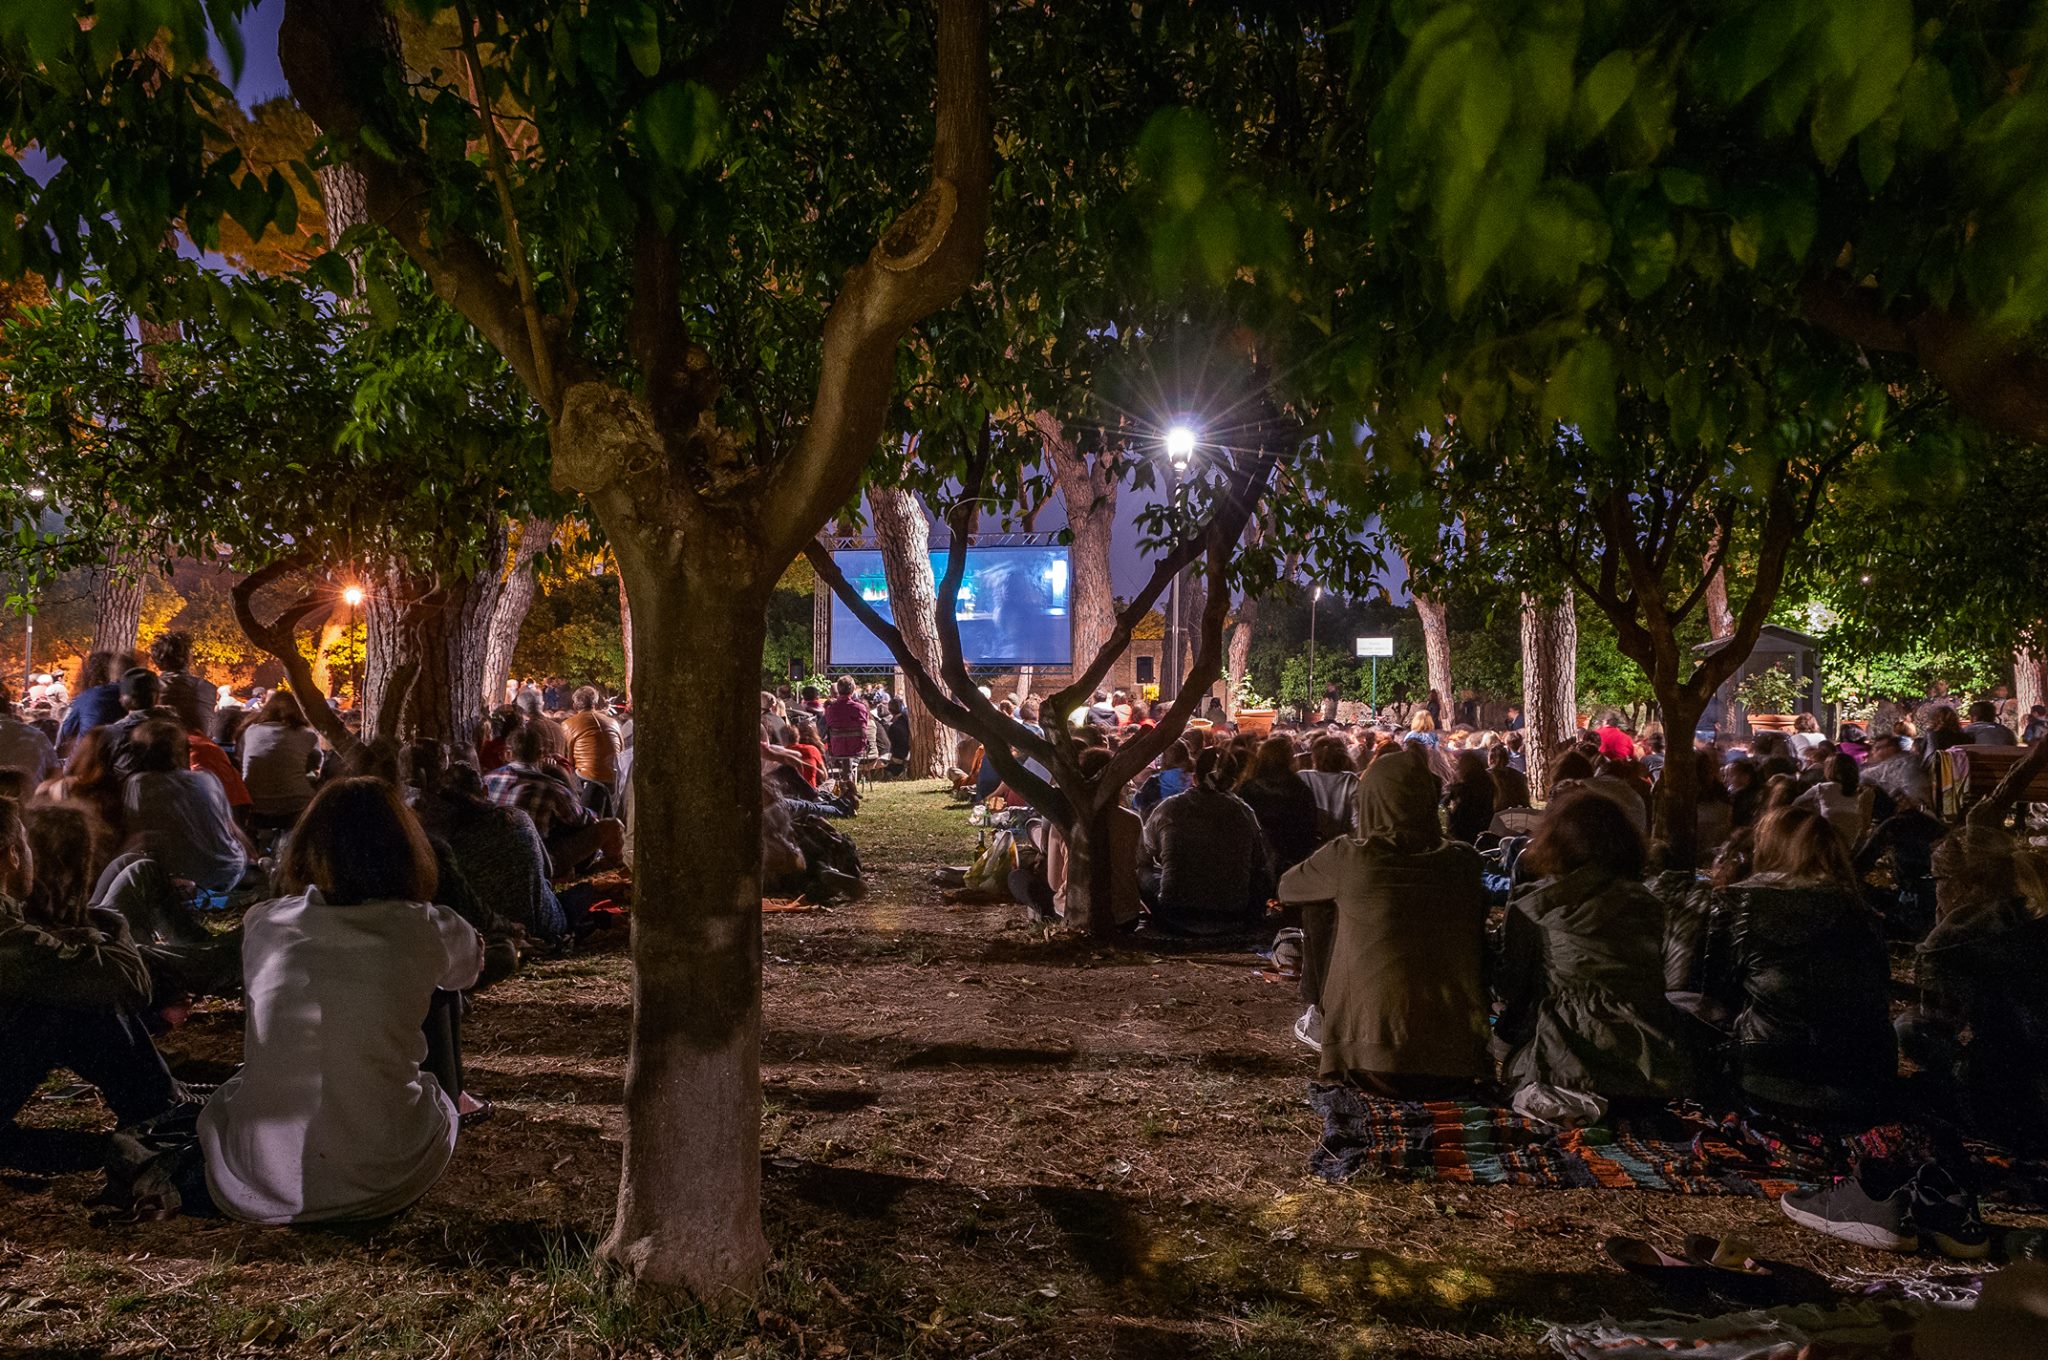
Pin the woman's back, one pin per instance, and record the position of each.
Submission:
(330, 1116)
(275, 761)
(1288, 817)
(1211, 860)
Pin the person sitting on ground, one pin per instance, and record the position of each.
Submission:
(23, 747)
(89, 780)
(180, 818)
(1851, 741)
(332, 1116)
(1613, 737)
(1395, 926)
(577, 840)
(1745, 792)
(594, 746)
(1335, 786)
(1841, 799)
(1176, 773)
(1581, 976)
(1984, 728)
(72, 988)
(496, 848)
(205, 757)
(899, 736)
(1904, 844)
(140, 693)
(1203, 867)
(279, 753)
(97, 696)
(1946, 731)
(1893, 771)
(1652, 756)
(1422, 729)
(492, 736)
(1100, 711)
(1714, 814)
(1796, 963)
(1125, 833)
(1468, 799)
(554, 742)
(1285, 805)
(188, 696)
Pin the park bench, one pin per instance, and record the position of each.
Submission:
(1963, 774)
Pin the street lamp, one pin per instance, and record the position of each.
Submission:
(352, 596)
(1180, 445)
(1314, 595)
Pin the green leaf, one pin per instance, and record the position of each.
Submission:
(680, 123)
(639, 28)
(1580, 393)
(1746, 239)
(1602, 93)
(1686, 188)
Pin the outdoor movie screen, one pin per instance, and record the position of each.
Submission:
(1014, 608)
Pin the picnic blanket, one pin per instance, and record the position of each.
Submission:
(1685, 1149)
(1859, 1329)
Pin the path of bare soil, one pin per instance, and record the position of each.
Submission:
(977, 1144)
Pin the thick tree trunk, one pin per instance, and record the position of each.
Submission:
(1550, 682)
(1091, 873)
(689, 1215)
(1239, 658)
(117, 608)
(905, 537)
(1678, 789)
(1436, 649)
(1088, 491)
(436, 636)
(2027, 689)
(514, 602)
(1194, 602)
(626, 632)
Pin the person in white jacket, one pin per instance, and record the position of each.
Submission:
(331, 1117)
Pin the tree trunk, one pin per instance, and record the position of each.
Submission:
(626, 632)
(1091, 873)
(1436, 649)
(117, 610)
(1088, 492)
(1194, 602)
(1720, 618)
(508, 613)
(905, 537)
(2026, 682)
(1550, 682)
(1678, 789)
(1238, 664)
(689, 1213)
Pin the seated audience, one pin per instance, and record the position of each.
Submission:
(1175, 773)
(594, 745)
(1796, 964)
(1125, 833)
(1395, 920)
(179, 818)
(1468, 799)
(497, 848)
(188, 696)
(96, 698)
(332, 1116)
(1841, 800)
(1984, 728)
(24, 747)
(1289, 818)
(1203, 868)
(90, 781)
(577, 840)
(279, 753)
(72, 986)
(1895, 772)
(1581, 976)
(1335, 786)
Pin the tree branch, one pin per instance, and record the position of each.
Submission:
(279, 640)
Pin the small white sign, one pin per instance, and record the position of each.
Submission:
(1375, 646)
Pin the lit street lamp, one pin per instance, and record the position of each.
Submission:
(1314, 595)
(1180, 445)
(352, 596)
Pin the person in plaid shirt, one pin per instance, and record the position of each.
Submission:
(572, 833)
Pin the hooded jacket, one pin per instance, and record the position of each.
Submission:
(1582, 976)
(1802, 967)
(1404, 993)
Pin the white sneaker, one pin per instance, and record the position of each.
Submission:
(1309, 1029)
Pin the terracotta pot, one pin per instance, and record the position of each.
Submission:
(1773, 722)
(1257, 721)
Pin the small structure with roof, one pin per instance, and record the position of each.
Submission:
(1798, 653)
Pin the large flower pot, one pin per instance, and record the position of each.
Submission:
(1257, 721)
(1773, 722)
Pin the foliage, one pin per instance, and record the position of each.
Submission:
(1771, 689)
(1856, 684)
(573, 631)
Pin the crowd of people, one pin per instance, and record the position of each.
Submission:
(379, 888)
(1453, 940)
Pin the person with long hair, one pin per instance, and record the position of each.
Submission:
(1202, 863)
(72, 985)
(279, 752)
(1843, 799)
(1468, 798)
(90, 779)
(1796, 964)
(96, 698)
(496, 848)
(1283, 802)
(1335, 786)
(1395, 924)
(332, 1115)
(1581, 974)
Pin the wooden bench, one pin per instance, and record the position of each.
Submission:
(1981, 769)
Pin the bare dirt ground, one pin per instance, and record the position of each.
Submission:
(978, 1143)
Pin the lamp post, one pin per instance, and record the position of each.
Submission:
(352, 596)
(28, 616)
(1314, 595)
(1180, 450)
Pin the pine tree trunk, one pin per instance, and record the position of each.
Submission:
(689, 1208)
(904, 535)
(1550, 682)
(1088, 492)
(1720, 618)
(1678, 789)
(626, 632)
(117, 607)
(1194, 602)
(1238, 664)
(2026, 683)
(1436, 650)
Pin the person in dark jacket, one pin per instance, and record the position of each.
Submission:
(1797, 966)
(72, 985)
(1284, 804)
(1202, 869)
(1468, 799)
(1581, 975)
(97, 701)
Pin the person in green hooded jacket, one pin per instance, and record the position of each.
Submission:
(1581, 976)
(1395, 920)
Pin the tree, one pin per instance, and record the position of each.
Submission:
(1550, 676)
(904, 536)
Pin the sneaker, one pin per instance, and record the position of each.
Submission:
(1946, 1213)
(1309, 1029)
(1848, 1211)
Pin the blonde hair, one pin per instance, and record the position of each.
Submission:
(1422, 722)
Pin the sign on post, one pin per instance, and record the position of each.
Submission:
(1375, 646)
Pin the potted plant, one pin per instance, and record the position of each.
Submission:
(1767, 697)
(1254, 713)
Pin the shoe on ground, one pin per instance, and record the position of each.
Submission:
(1847, 1211)
(1309, 1029)
(1946, 1215)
